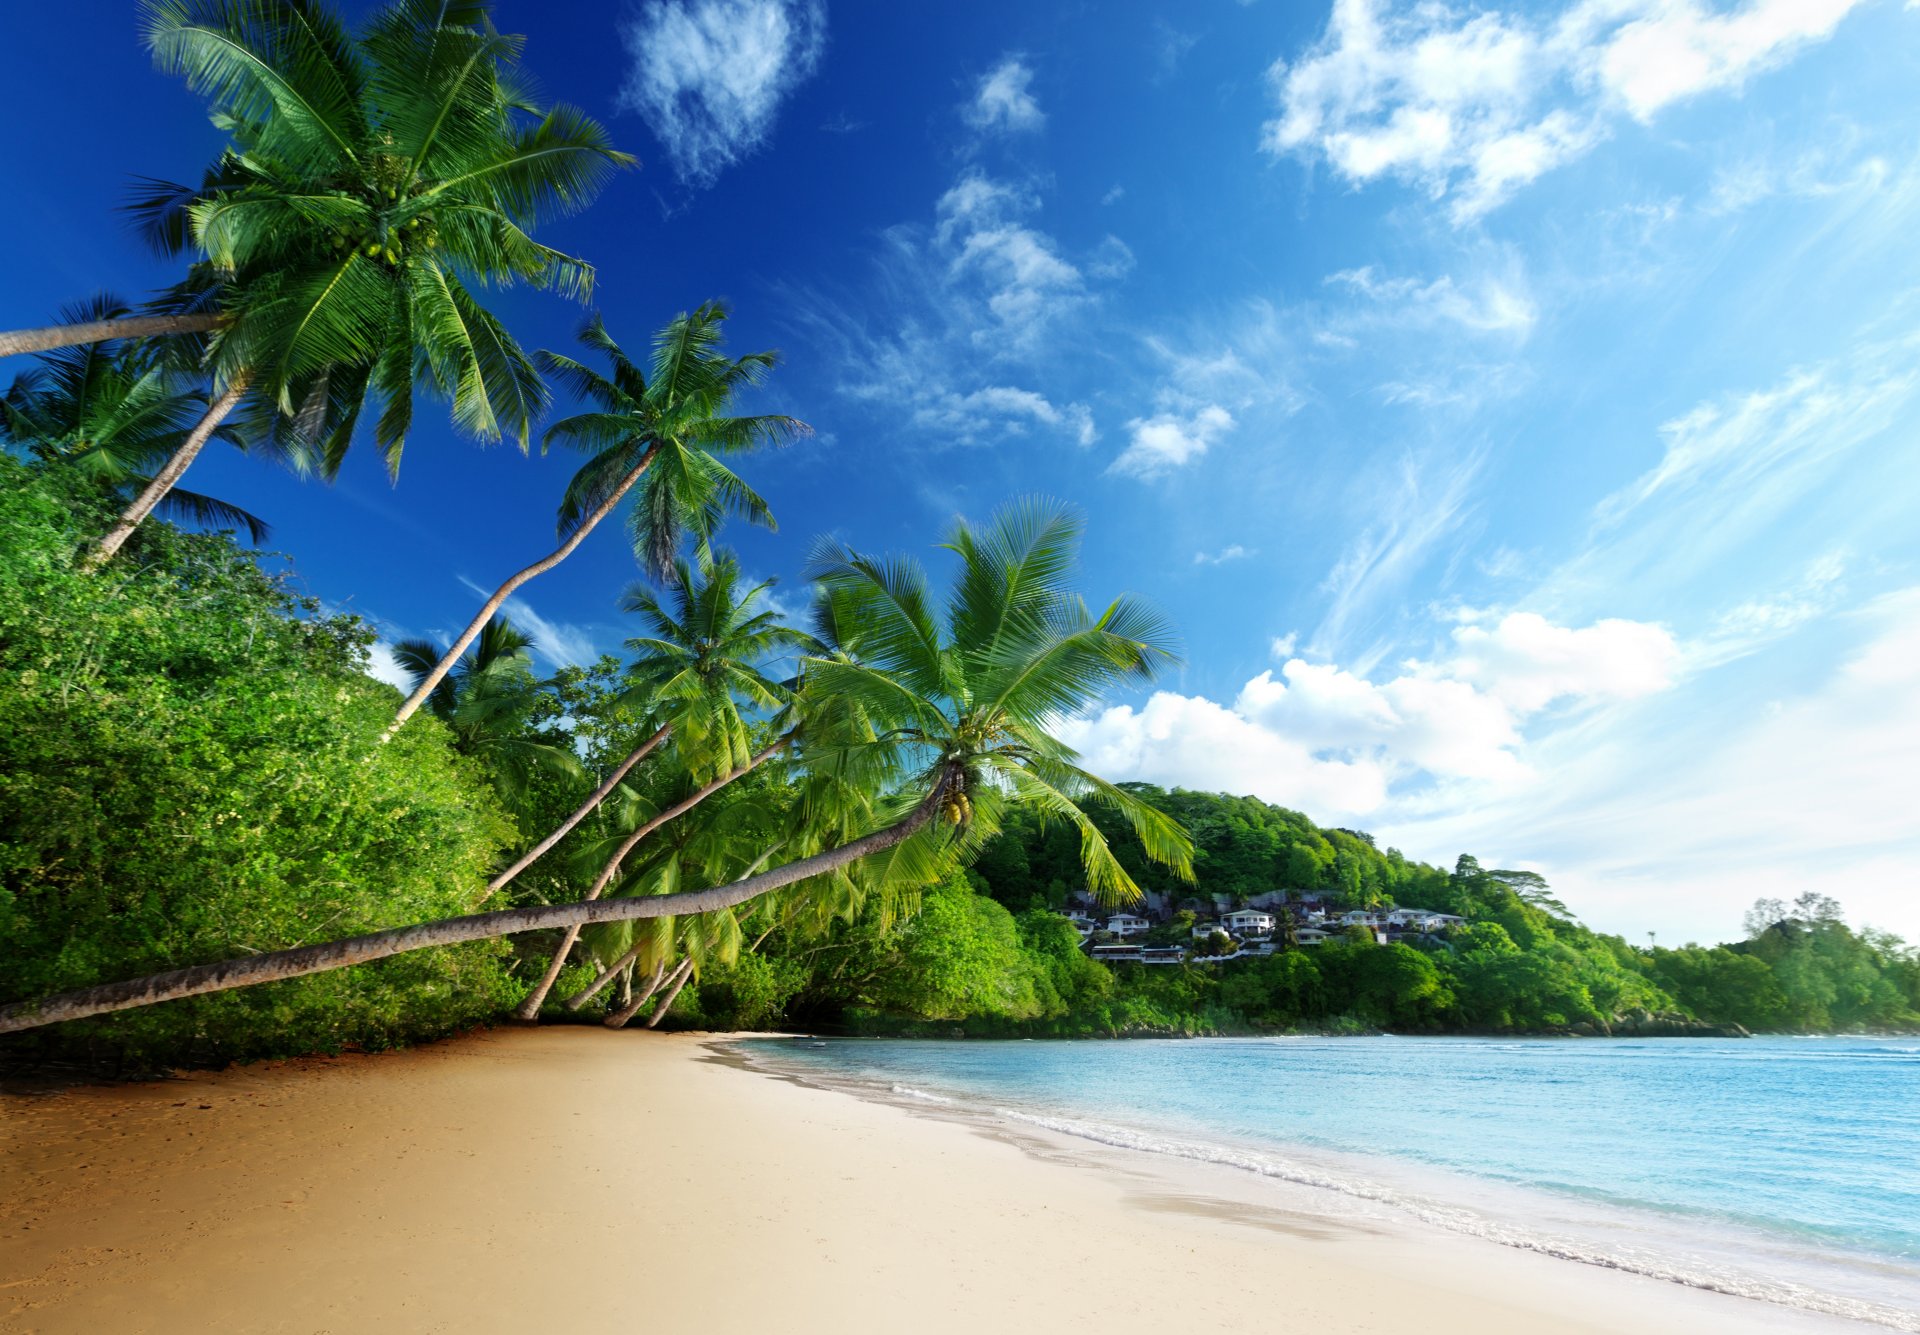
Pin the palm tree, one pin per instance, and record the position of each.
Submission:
(369, 181)
(668, 429)
(961, 708)
(728, 841)
(700, 663)
(489, 704)
(112, 412)
(967, 706)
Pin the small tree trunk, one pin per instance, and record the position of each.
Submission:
(273, 965)
(619, 1018)
(164, 480)
(530, 1008)
(660, 1011)
(47, 338)
(675, 981)
(626, 985)
(501, 594)
(591, 990)
(534, 854)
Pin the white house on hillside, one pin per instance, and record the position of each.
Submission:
(1248, 922)
(1126, 924)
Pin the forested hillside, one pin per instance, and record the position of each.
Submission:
(992, 954)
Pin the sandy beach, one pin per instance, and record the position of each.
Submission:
(575, 1179)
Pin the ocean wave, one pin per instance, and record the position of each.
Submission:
(908, 1091)
(1782, 1293)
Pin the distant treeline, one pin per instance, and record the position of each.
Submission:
(988, 954)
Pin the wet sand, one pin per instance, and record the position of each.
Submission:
(580, 1180)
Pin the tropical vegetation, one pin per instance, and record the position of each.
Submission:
(217, 842)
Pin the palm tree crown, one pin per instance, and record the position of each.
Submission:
(370, 181)
(963, 705)
(671, 421)
(703, 658)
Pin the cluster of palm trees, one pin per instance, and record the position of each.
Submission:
(374, 180)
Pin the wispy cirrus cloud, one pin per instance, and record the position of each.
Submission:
(1728, 444)
(709, 75)
(1233, 551)
(1492, 304)
(560, 643)
(1472, 105)
(1416, 501)
(961, 324)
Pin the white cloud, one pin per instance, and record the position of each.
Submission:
(1760, 620)
(1527, 663)
(961, 312)
(1675, 50)
(710, 75)
(1473, 105)
(1231, 552)
(383, 666)
(1159, 444)
(1282, 646)
(1189, 740)
(1493, 305)
(1681, 827)
(996, 411)
(1342, 745)
(1002, 100)
(1018, 269)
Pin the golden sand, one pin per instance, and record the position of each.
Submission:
(579, 1180)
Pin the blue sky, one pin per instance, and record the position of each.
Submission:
(1514, 407)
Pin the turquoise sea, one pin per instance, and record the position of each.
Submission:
(1786, 1170)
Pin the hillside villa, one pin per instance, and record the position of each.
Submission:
(1251, 930)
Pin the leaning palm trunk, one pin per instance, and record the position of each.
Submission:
(530, 1008)
(666, 1002)
(619, 1018)
(53, 336)
(505, 591)
(278, 964)
(534, 854)
(608, 974)
(163, 481)
(653, 985)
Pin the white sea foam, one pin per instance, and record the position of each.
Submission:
(1697, 1275)
(909, 1091)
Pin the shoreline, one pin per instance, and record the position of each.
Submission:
(572, 1178)
(1350, 1187)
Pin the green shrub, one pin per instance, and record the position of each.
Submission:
(190, 770)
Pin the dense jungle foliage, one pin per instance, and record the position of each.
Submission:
(184, 773)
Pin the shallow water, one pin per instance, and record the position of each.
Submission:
(1783, 1169)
